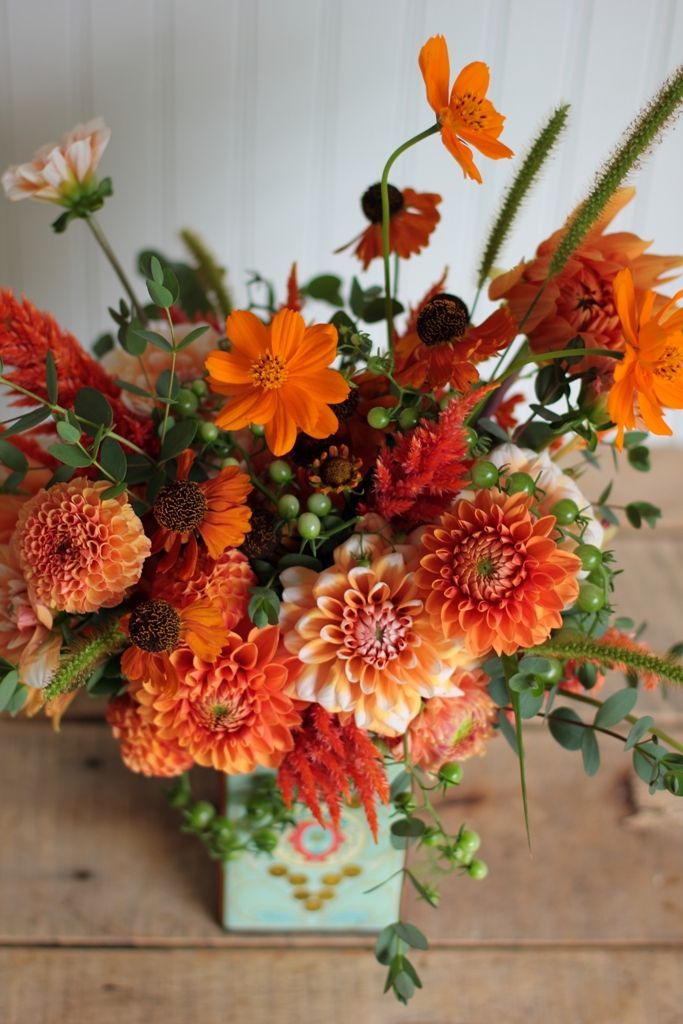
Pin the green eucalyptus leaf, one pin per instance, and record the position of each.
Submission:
(91, 405)
(590, 752)
(51, 382)
(178, 438)
(408, 827)
(411, 935)
(73, 457)
(12, 457)
(27, 421)
(565, 727)
(68, 432)
(113, 458)
(616, 707)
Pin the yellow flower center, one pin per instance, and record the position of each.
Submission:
(467, 109)
(670, 366)
(269, 372)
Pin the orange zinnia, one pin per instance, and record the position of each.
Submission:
(494, 576)
(157, 628)
(650, 376)
(412, 218)
(278, 375)
(467, 117)
(215, 510)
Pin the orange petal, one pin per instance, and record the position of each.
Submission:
(317, 348)
(251, 407)
(625, 301)
(436, 71)
(286, 333)
(229, 367)
(280, 430)
(326, 423)
(473, 78)
(461, 152)
(486, 144)
(247, 334)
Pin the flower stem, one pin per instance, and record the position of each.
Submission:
(106, 248)
(632, 719)
(171, 378)
(384, 189)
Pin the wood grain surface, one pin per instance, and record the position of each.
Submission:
(108, 913)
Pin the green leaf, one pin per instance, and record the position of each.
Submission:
(27, 422)
(160, 295)
(615, 708)
(113, 458)
(294, 558)
(325, 288)
(12, 457)
(383, 945)
(532, 664)
(178, 438)
(400, 784)
(167, 384)
(644, 766)
(51, 377)
(73, 457)
(636, 511)
(68, 432)
(114, 490)
(411, 935)
(132, 340)
(91, 405)
(412, 827)
(530, 703)
(590, 752)
(639, 458)
(156, 270)
(417, 884)
(103, 344)
(18, 700)
(403, 987)
(498, 691)
(563, 726)
(156, 339)
(133, 389)
(634, 437)
(7, 688)
(190, 338)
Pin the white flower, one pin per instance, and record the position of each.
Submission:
(57, 171)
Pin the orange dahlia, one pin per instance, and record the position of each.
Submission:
(158, 628)
(215, 510)
(142, 749)
(412, 218)
(650, 376)
(494, 576)
(224, 582)
(278, 375)
(466, 116)
(452, 728)
(361, 632)
(234, 714)
(78, 551)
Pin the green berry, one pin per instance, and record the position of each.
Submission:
(591, 557)
(186, 402)
(408, 418)
(478, 869)
(229, 462)
(565, 511)
(200, 387)
(208, 432)
(484, 474)
(202, 814)
(405, 801)
(379, 418)
(222, 830)
(432, 837)
(257, 429)
(591, 598)
(469, 842)
(288, 506)
(521, 483)
(451, 773)
(265, 839)
(471, 436)
(320, 504)
(308, 526)
(552, 674)
(331, 523)
(280, 472)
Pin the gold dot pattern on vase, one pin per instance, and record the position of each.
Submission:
(311, 899)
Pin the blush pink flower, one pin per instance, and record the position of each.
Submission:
(452, 728)
(24, 641)
(58, 172)
(78, 551)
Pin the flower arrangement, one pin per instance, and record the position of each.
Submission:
(272, 542)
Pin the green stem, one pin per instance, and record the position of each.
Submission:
(169, 396)
(106, 248)
(384, 189)
(511, 667)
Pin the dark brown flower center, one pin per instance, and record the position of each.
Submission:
(180, 506)
(444, 318)
(336, 471)
(372, 202)
(154, 627)
(345, 410)
(262, 539)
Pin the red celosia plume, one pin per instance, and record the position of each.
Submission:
(417, 478)
(295, 299)
(326, 757)
(27, 335)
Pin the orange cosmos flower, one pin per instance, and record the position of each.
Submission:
(158, 628)
(494, 576)
(142, 749)
(233, 714)
(466, 116)
(79, 552)
(650, 376)
(215, 510)
(452, 728)
(278, 375)
(412, 218)
(361, 631)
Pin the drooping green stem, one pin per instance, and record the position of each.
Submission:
(106, 248)
(511, 667)
(384, 190)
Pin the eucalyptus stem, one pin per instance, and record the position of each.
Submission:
(631, 719)
(384, 190)
(171, 378)
(106, 248)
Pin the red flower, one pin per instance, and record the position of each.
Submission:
(326, 755)
(412, 218)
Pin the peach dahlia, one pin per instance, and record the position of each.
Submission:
(493, 575)
(142, 749)
(79, 552)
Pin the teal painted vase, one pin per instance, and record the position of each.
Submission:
(317, 879)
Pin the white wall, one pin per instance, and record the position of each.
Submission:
(260, 123)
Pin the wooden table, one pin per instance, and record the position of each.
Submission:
(107, 913)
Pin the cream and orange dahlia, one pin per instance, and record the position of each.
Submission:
(494, 576)
(78, 551)
(142, 749)
(452, 728)
(366, 643)
(232, 714)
